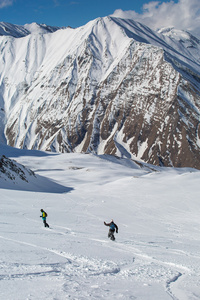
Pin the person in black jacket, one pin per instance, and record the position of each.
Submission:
(112, 229)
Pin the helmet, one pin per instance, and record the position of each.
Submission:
(41, 209)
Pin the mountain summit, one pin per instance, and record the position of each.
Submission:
(112, 86)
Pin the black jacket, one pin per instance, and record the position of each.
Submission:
(111, 226)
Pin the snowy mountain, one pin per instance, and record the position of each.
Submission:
(17, 31)
(186, 39)
(113, 86)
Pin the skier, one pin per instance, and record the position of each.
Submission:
(112, 228)
(43, 216)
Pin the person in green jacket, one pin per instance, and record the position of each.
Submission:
(44, 216)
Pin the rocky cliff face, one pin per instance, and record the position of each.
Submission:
(112, 86)
(13, 172)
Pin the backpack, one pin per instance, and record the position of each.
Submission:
(44, 214)
(112, 226)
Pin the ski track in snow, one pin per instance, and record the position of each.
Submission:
(86, 267)
(154, 255)
(141, 268)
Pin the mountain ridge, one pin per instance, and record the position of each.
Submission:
(109, 85)
(19, 31)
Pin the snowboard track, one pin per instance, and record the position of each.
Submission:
(142, 267)
(170, 282)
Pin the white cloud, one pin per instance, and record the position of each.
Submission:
(4, 3)
(182, 15)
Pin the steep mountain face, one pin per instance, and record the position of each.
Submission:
(112, 86)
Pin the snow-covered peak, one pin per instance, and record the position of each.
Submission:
(18, 31)
(13, 30)
(178, 35)
(40, 28)
(185, 38)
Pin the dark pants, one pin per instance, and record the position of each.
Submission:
(45, 223)
(111, 234)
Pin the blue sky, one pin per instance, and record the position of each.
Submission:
(62, 12)
(182, 14)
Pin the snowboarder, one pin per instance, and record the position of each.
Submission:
(112, 228)
(44, 216)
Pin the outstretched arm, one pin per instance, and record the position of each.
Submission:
(107, 224)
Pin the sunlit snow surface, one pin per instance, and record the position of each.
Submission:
(156, 254)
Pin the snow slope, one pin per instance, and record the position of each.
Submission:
(156, 252)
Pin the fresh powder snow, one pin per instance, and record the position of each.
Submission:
(157, 250)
